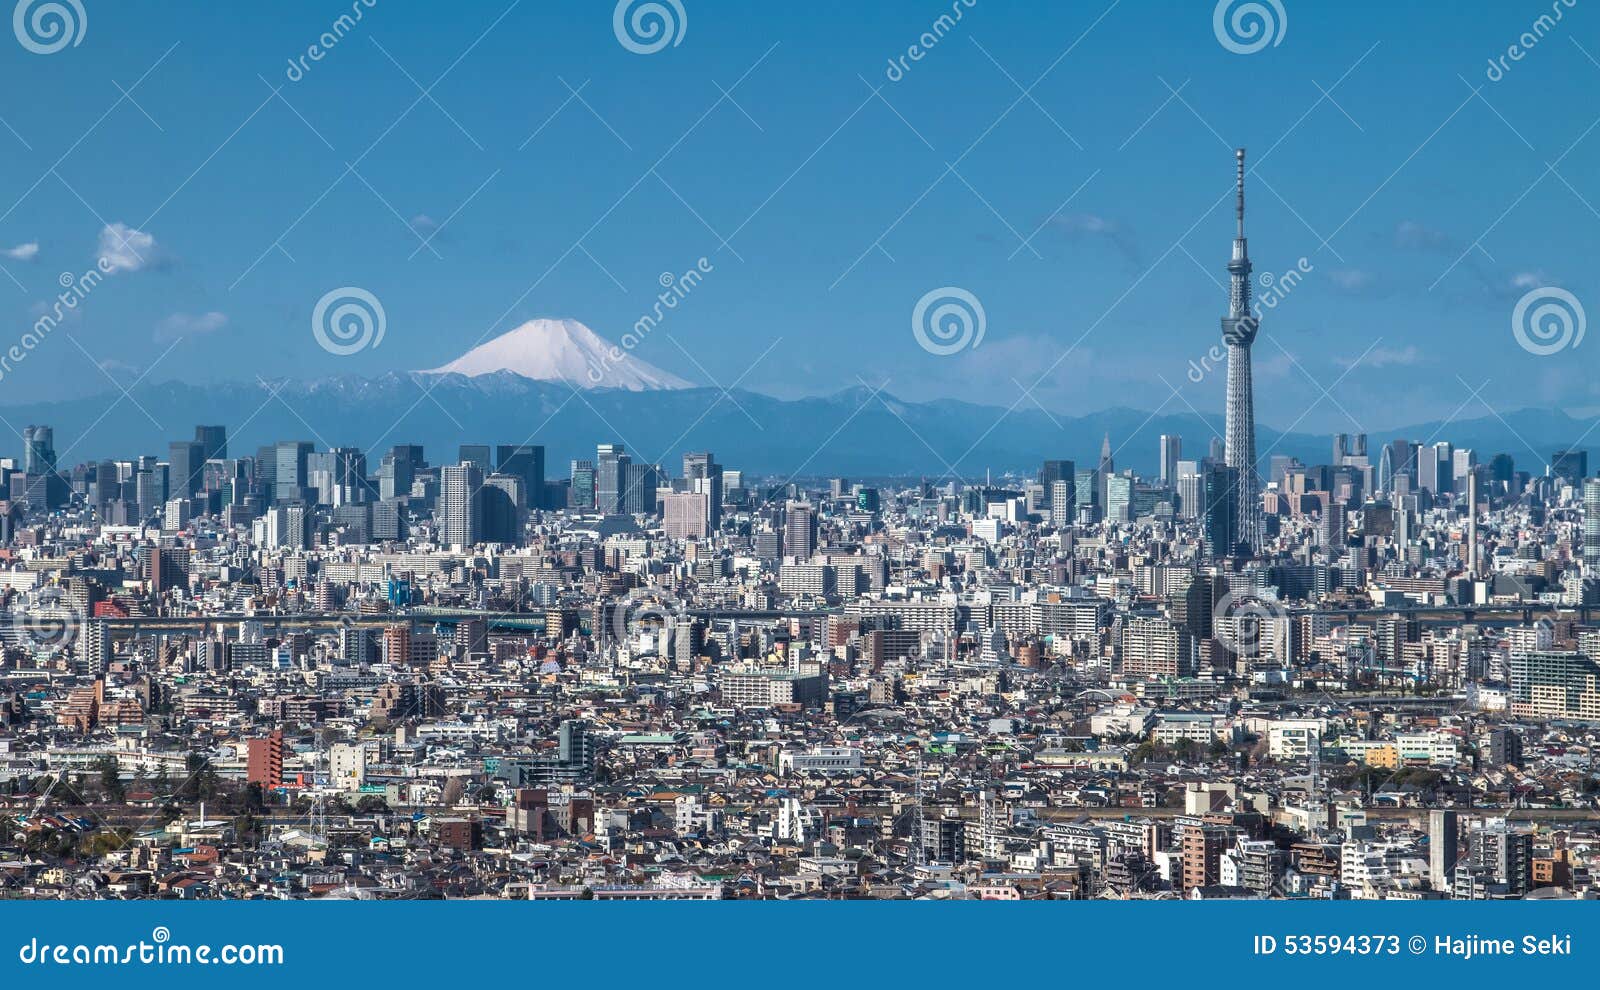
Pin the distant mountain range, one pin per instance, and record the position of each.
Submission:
(855, 432)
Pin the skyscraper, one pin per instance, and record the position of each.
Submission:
(1239, 330)
(213, 440)
(610, 483)
(460, 506)
(1171, 451)
(1591, 528)
(289, 476)
(187, 459)
(1106, 469)
(1572, 466)
(799, 530)
(476, 454)
(526, 461)
(39, 449)
(704, 477)
(1221, 509)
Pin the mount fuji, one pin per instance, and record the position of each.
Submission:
(562, 351)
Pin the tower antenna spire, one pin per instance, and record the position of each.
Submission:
(1239, 154)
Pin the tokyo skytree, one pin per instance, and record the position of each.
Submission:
(1239, 330)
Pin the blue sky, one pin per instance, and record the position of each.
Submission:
(1090, 216)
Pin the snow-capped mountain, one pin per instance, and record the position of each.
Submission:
(562, 351)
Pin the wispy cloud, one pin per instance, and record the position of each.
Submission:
(1413, 235)
(1354, 281)
(1080, 226)
(1383, 357)
(23, 252)
(190, 325)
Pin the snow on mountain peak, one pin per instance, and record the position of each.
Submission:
(562, 351)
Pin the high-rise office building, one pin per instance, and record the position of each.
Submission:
(526, 461)
(799, 530)
(610, 482)
(460, 506)
(39, 449)
(1171, 451)
(639, 484)
(1060, 482)
(1191, 490)
(1591, 527)
(289, 475)
(186, 460)
(213, 442)
(399, 470)
(583, 481)
(1239, 329)
(704, 477)
(1222, 507)
(476, 454)
(503, 508)
(1571, 466)
(1107, 467)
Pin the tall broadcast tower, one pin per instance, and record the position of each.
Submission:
(1239, 330)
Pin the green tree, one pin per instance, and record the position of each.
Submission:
(111, 778)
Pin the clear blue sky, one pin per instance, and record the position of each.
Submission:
(1438, 207)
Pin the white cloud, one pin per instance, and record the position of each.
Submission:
(1384, 357)
(1353, 281)
(22, 252)
(189, 325)
(124, 249)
